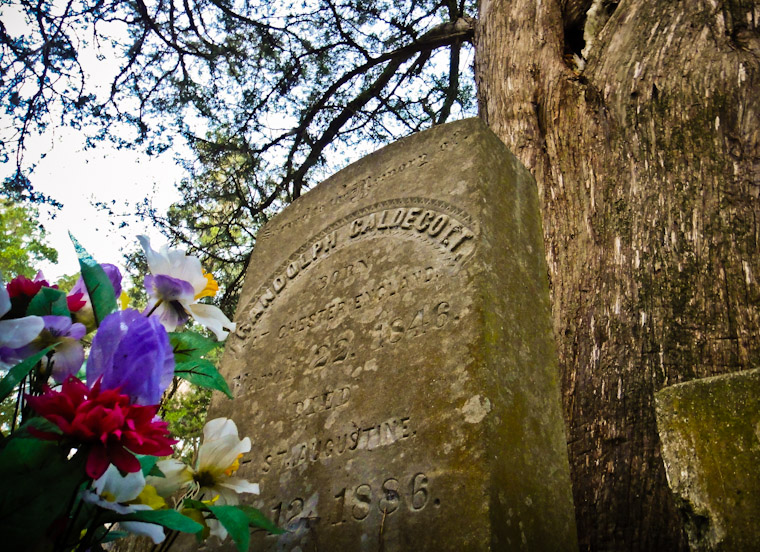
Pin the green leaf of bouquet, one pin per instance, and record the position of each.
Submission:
(190, 345)
(49, 301)
(197, 504)
(38, 481)
(97, 283)
(147, 463)
(171, 519)
(39, 424)
(235, 521)
(202, 373)
(259, 520)
(19, 372)
(114, 535)
(254, 516)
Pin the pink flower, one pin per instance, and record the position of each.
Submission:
(105, 421)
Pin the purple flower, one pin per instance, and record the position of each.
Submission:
(133, 353)
(68, 356)
(174, 293)
(176, 283)
(112, 271)
(15, 333)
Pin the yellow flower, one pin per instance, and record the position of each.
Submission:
(150, 497)
(123, 300)
(211, 287)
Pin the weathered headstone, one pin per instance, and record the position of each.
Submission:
(710, 432)
(394, 363)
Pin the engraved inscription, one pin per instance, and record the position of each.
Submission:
(356, 437)
(354, 191)
(355, 502)
(445, 228)
(412, 324)
(322, 402)
(334, 309)
(246, 382)
(344, 275)
(451, 233)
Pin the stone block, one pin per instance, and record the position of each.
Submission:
(710, 433)
(394, 363)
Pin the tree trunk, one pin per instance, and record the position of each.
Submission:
(648, 168)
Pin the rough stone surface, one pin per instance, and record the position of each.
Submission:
(394, 363)
(710, 432)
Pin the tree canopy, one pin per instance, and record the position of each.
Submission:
(269, 96)
(22, 241)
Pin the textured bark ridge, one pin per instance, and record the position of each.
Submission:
(648, 167)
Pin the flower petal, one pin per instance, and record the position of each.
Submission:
(221, 445)
(68, 359)
(213, 319)
(174, 263)
(133, 353)
(218, 428)
(5, 300)
(176, 476)
(240, 485)
(97, 461)
(167, 288)
(17, 332)
(122, 487)
(219, 454)
(151, 530)
(92, 498)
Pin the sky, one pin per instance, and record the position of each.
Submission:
(79, 178)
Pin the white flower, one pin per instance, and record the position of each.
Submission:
(175, 284)
(212, 479)
(113, 491)
(16, 332)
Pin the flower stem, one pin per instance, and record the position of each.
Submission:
(64, 537)
(158, 303)
(19, 398)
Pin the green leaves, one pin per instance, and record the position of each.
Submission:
(188, 348)
(202, 373)
(39, 481)
(236, 520)
(49, 301)
(260, 521)
(171, 519)
(148, 465)
(19, 372)
(190, 345)
(97, 283)
(236, 523)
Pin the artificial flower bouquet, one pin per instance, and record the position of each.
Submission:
(80, 459)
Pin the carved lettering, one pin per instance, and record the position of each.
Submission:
(439, 224)
(357, 502)
(369, 438)
(412, 324)
(322, 402)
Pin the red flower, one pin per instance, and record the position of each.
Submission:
(23, 286)
(75, 302)
(106, 422)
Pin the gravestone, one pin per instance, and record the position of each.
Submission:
(394, 364)
(710, 433)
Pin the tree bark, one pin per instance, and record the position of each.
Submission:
(648, 169)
